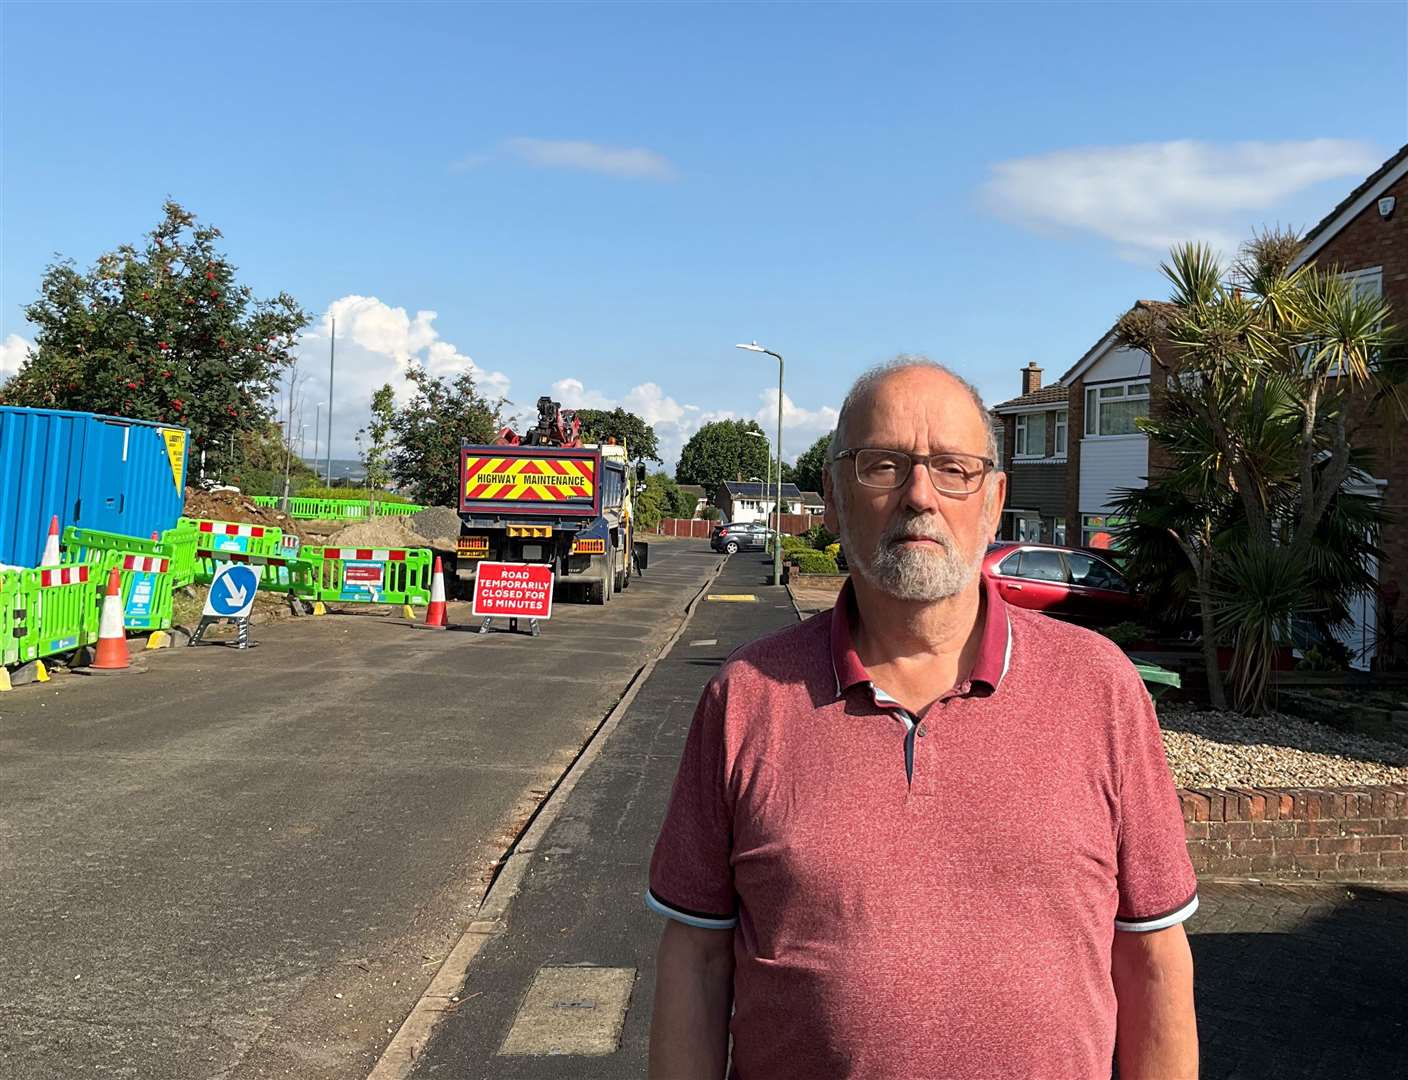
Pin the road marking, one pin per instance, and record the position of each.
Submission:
(734, 598)
(705, 641)
(572, 1010)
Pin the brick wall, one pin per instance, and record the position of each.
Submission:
(1330, 834)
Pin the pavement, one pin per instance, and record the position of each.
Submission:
(1292, 981)
(244, 865)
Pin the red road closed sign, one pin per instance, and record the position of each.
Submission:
(513, 590)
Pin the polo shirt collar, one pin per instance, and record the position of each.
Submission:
(994, 646)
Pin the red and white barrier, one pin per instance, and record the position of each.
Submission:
(371, 554)
(64, 575)
(229, 529)
(146, 563)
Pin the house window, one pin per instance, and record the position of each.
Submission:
(1113, 410)
(1097, 530)
(1060, 450)
(1031, 435)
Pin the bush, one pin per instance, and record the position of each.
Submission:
(814, 562)
(794, 543)
(318, 491)
(1126, 634)
(819, 538)
(834, 550)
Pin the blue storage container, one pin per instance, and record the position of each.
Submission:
(96, 472)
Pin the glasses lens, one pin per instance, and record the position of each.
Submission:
(882, 468)
(957, 475)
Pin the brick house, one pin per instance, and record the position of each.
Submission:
(746, 502)
(1365, 239)
(1033, 434)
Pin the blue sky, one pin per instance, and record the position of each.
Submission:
(600, 200)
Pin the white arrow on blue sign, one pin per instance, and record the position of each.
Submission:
(232, 591)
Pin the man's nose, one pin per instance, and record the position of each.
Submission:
(919, 493)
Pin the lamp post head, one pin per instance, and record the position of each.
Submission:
(751, 347)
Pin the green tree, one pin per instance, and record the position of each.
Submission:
(722, 451)
(427, 433)
(1273, 372)
(660, 499)
(159, 332)
(811, 463)
(639, 438)
(374, 441)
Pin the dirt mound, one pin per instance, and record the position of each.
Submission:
(232, 506)
(439, 524)
(383, 532)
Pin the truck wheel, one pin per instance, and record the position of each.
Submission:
(630, 565)
(607, 580)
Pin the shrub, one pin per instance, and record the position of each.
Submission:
(818, 537)
(1125, 634)
(318, 491)
(834, 550)
(814, 562)
(794, 543)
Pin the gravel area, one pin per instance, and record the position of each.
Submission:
(1225, 749)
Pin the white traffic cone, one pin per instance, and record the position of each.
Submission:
(111, 654)
(435, 614)
(52, 556)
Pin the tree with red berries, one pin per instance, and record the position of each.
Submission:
(163, 332)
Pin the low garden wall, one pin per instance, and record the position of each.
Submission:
(1300, 834)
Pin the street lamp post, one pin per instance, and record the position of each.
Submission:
(317, 434)
(753, 346)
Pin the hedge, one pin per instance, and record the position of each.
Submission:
(814, 562)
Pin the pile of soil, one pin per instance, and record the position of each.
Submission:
(232, 506)
(436, 527)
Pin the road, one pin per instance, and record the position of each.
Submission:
(244, 865)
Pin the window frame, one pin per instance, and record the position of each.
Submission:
(1062, 436)
(1118, 392)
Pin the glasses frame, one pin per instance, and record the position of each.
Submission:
(989, 466)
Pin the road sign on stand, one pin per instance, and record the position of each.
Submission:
(513, 591)
(230, 599)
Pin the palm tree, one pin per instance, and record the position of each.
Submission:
(1272, 373)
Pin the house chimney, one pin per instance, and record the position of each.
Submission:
(1031, 378)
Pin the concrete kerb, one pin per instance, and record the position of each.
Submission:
(411, 1038)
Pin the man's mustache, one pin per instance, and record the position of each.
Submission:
(916, 530)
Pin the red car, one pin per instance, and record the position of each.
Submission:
(1070, 583)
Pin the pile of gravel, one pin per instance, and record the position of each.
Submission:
(1207, 748)
(438, 524)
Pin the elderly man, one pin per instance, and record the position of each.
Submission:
(923, 834)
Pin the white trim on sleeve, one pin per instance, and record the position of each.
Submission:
(655, 904)
(1162, 922)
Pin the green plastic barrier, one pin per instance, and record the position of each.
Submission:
(347, 575)
(9, 595)
(238, 536)
(336, 509)
(56, 610)
(144, 571)
(181, 543)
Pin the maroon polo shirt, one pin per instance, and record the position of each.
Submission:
(929, 895)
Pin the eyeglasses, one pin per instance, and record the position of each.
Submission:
(952, 474)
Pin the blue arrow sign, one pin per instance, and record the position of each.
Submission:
(232, 591)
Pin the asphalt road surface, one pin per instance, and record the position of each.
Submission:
(245, 865)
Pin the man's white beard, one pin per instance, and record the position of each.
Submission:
(918, 572)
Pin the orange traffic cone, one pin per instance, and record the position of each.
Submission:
(435, 614)
(112, 640)
(51, 545)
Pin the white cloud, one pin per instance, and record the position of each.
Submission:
(13, 352)
(573, 395)
(800, 427)
(1146, 197)
(375, 344)
(628, 162)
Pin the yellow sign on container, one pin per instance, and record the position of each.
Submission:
(175, 439)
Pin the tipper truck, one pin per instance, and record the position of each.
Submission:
(547, 497)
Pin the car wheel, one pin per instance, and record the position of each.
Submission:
(731, 548)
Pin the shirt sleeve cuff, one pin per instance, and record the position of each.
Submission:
(1160, 922)
(701, 919)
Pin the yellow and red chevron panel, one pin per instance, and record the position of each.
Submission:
(545, 480)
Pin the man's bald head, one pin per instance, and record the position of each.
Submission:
(863, 390)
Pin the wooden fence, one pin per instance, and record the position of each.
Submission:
(699, 528)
